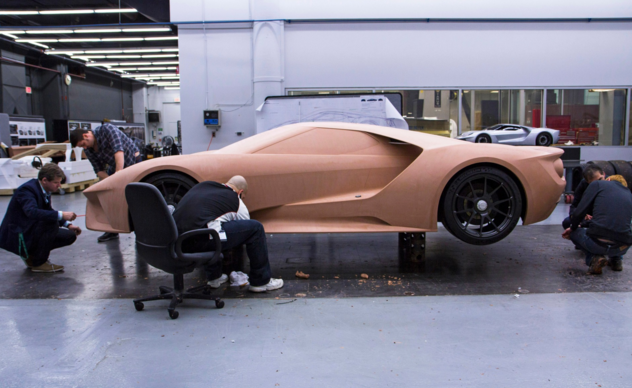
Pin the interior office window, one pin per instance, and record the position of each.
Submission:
(587, 116)
(431, 111)
(485, 108)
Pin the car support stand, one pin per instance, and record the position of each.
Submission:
(412, 251)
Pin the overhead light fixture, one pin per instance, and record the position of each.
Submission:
(123, 56)
(9, 35)
(152, 68)
(166, 63)
(49, 31)
(66, 11)
(143, 51)
(93, 64)
(13, 31)
(172, 88)
(39, 44)
(19, 12)
(170, 50)
(160, 56)
(600, 90)
(97, 31)
(77, 40)
(115, 10)
(146, 29)
(36, 40)
(493, 91)
(121, 39)
(89, 52)
(163, 38)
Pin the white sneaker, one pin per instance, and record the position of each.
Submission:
(273, 284)
(219, 281)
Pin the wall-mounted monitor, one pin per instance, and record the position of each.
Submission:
(153, 116)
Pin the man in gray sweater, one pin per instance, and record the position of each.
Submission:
(609, 233)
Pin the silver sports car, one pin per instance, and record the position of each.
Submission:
(513, 134)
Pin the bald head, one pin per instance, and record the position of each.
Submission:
(239, 184)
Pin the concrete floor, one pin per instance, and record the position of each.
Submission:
(519, 313)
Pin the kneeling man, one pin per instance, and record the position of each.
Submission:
(219, 206)
(31, 228)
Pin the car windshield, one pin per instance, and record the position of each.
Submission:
(495, 127)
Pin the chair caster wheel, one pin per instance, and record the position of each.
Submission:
(173, 314)
(219, 304)
(139, 306)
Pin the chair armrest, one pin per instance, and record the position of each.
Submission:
(200, 256)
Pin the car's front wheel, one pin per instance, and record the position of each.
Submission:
(172, 185)
(482, 205)
(544, 139)
(483, 138)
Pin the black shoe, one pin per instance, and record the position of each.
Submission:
(616, 264)
(107, 236)
(597, 264)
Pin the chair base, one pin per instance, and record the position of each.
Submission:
(177, 295)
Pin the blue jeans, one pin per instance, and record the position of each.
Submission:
(249, 232)
(592, 248)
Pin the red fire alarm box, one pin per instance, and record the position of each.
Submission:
(28, 90)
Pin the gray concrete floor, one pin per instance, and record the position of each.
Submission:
(519, 313)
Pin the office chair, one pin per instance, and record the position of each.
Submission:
(158, 243)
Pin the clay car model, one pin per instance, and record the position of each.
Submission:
(344, 177)
(512, 134)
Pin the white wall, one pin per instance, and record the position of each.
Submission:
(167, 102)
(233, 66)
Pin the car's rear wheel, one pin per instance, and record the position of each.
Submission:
(172, 185)
(483, 138)
(544, 139)
(482, 206)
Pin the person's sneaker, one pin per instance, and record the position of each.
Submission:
(616, 264)
(47, 267)
(273, 284)
(219, 281)
(597, 264)
(107, 236)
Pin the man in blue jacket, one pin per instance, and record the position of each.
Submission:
(31, 228)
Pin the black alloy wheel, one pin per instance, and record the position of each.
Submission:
(544, 139)
(172, 186)
(483, 138)
(482, 206)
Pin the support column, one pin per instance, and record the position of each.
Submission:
(268, 60)
(412, 247)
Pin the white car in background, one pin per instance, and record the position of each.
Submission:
(512, 134)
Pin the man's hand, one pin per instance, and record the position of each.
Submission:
(68, 216)
(75, 229)
(567, 234)
(588, 217)
(102, 175)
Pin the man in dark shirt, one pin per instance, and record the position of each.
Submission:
(591, 173)
(219, 206)
(31, 228)
(609, 233)
(106, 148)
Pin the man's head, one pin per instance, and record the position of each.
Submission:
(83, 138)
(239, 184)
(592, 173)
(618, 178)
(50, 176)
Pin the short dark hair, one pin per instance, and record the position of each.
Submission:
(50, 171)
(590, 171)
(76, 136)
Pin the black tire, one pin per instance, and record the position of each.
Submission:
(544, 139)
(482, 205)
(139, 306)
(174, 314)
(172, 185)
(219, 304)
(483, 138)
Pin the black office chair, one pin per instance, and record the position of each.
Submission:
(158, 243)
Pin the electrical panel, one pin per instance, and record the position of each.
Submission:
(212, 118)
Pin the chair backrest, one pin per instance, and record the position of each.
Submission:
(152, 220)
(156, 231)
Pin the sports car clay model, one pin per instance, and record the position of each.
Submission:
(512, 134)
(343, 177)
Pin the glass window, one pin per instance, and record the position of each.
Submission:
(482, 109)
(587, 116)
(432, 111)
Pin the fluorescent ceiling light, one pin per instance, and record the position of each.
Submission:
(169, 77)
(152, 68)
(77, 40)
(146, 29)
(170, 50)
(35, 40)
(87, 56)
(18, 12)
(121, 39)
(143, 51)
(160, 56)
(123, 56)
(163, 38)
(38, 44)
(103, 52)
(12, 31)
(600, 90)
(165, 63)
(66, 11)
(9, 35)
(115, 10)
(172, 88)
(49, 31)
(97, 31)
(94, 64)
